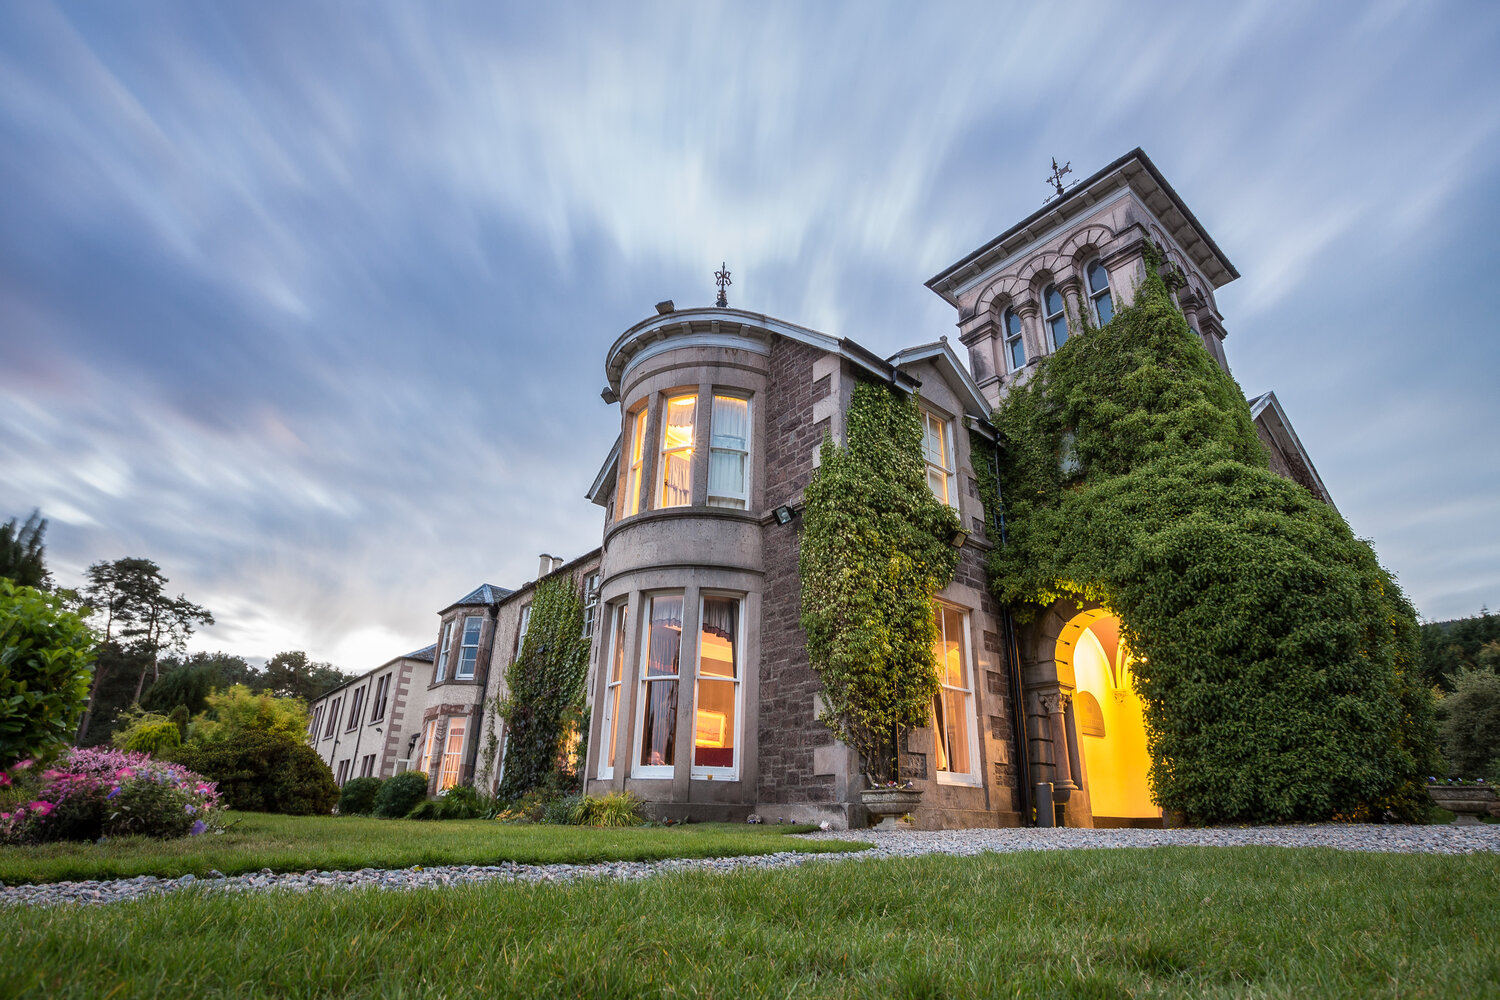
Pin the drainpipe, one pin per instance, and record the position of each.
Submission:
(1017, 694)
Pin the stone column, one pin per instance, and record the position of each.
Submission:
(1063, 748)
(1031, 331)
(1072, 293)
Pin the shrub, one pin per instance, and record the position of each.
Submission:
(92, 793)
(614, 809)
(236, 711)
(358, 796)
(563, 810)
(400, 794)
(260, 771)
(45, 653)
(1469, 724)
(145, 732)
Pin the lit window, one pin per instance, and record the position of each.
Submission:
(630, 497)
(937, 450)
(382, 695)
(453, 752)
(1104, 305)
(657, 730)
(428, 732)
(442, 656)
(590, 603)
(1057, 315)
(729, 454)
(468, 653)
(677, 452)
(953, 708)
(333, 717)
(716, 711)
(1015, 348)
(610, 729)
(354, 706)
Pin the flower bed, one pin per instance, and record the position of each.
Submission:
(93, 793)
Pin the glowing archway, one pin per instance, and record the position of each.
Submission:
(1109, 718)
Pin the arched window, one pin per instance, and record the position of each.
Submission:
(1104, 304)
(1056, 315)
(1015, 349)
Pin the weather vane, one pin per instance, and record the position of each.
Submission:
(721, 278)
(1058, 173)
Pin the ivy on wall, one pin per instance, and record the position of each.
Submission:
(876, 547)
(544, 700)
(1277, 659)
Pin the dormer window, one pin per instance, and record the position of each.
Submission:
(1015, 348)
(1056, 315)
(937, 451)
(1104, 305)
(729, 454)
(677, 452)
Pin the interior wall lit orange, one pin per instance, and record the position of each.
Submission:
(1116, 764)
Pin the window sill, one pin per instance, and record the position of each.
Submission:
(961, 780)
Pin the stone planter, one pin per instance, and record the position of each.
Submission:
(1466, 802)
(887, 804)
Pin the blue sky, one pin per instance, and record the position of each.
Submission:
(308, 303)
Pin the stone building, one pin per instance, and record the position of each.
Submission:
(703, 702)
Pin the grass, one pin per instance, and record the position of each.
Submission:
(297, 843)
(1167, 922)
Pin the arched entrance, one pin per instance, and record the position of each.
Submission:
(1090, 717)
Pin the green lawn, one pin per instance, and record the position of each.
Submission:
(297, 843)
(1168, 922)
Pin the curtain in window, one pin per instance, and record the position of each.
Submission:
(677, 451)
(729, 452)
(611, 728)
(663, 647)
(950, 708)
(453, 752)
(715, 724)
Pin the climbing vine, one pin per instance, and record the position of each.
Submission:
(1276, 658)
(876, 547)
(544, 699)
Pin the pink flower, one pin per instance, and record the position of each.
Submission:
(4, 779)
(125, 772)
(40, 808)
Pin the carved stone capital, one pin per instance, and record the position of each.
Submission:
(1055, 703)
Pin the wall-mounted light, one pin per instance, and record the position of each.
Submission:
(783, 514)
(958, 538)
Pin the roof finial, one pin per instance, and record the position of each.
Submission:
(1058, 173)
(721, 278)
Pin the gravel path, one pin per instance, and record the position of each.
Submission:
(896, 844)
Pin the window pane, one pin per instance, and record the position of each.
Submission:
(731, 422)
(1017, 354)
(1059, 331)
(453, 753)
(1012, 323)
(1105, 308)
(726, 474)
(678, 431)
(678, 484)
(720, 634)
(1053, 299)
(665, 640)
(659, 736)
(956, 731)
(631, 501)
(1098, 277)
(715, 723)
(663, 647)
(938, 483)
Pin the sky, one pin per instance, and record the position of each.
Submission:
(309, 302)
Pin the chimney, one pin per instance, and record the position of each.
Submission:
(556, 563)
(544, 567)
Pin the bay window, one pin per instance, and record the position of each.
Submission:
(937, 451)
(661, 649)
(609, 729)
(468, 653)
(676, 474)
(428, 732)
(630, 497)
(717, 701)
(729, 453)
(955, 738)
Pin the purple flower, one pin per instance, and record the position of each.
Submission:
(198, 827)
(113, 792)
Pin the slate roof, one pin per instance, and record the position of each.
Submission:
(425, 653)
(485, 593)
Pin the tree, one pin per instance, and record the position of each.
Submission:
(44, 677)
(21, 552)
(189, 681)
(293, 675)
(237, 710)
(1469, 721)
(140, 621)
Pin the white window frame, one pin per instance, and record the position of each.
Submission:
(614, 687)
(590, 604)
(972, 776)
(663, 453)
(442, 657)
(643, 629)
(1018, 338)
(1050, 319)
(950, 470)
(1095, 296)
(355, 704)
(456, 755)
(741, 500)
(468, 655)
(731, 773)
(634, 459)
(429, 733)
(521, 629)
